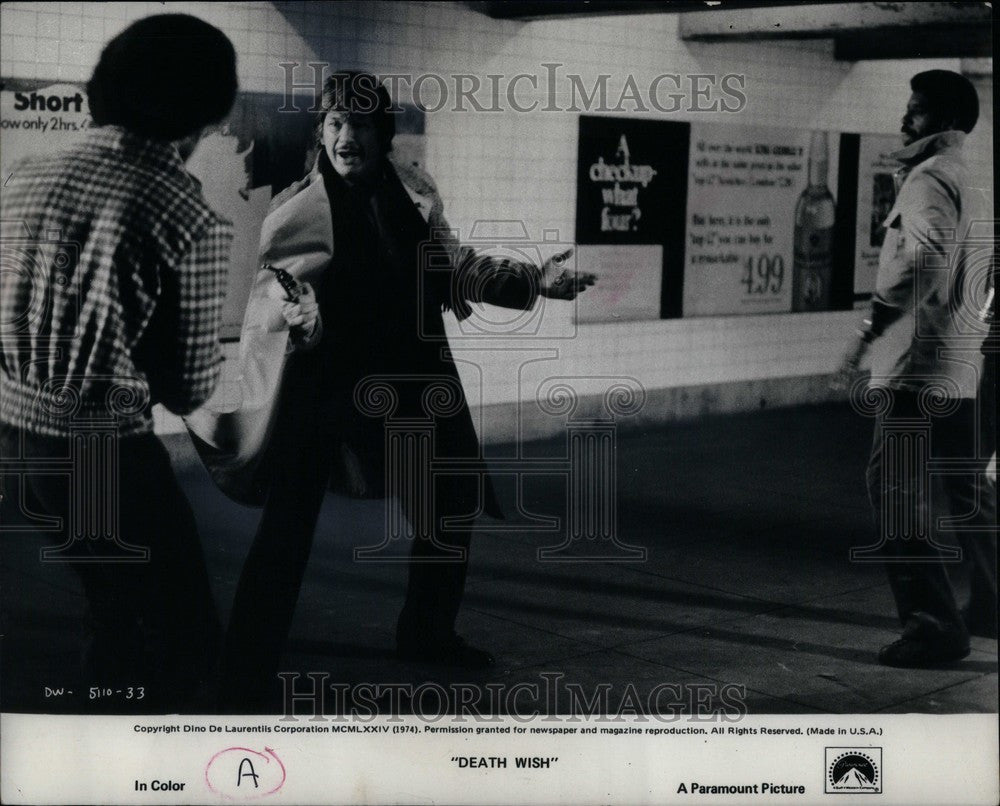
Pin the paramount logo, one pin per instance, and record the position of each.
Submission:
(853, 770)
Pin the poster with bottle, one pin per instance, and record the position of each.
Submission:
(760, 220)
(876, 195)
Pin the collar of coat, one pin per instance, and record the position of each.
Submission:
(297, 234)
(920, 150)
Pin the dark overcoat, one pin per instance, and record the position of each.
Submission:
(380, 360)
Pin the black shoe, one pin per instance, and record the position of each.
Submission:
(451, 652)
(980, 623)
(916, 651)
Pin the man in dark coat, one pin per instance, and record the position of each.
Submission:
(378, 347)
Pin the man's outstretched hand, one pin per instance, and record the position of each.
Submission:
(566, 284)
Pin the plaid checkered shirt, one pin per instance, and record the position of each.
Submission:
(113, 276)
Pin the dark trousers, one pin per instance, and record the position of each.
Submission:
(904, 494)
(153, 623)
(272, 576)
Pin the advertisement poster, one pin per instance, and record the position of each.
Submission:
(624, 183)
(747, 217)
(36, 117)
(759, 228)
(631, 176)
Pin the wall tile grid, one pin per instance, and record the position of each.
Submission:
(510, 165)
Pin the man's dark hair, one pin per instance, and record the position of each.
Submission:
(164, 77)
(358, 93)
(950, 96)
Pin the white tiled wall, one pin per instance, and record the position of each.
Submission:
(512, 165)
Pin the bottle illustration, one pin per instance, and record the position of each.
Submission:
(815, 212)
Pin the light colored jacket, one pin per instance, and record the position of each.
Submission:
(928, 275)
(232, 431)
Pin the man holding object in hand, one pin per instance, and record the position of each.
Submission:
(369, 232)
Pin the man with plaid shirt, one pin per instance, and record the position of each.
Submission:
(114, 276)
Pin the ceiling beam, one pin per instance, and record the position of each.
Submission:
(549, 9)
(814, 21)
(906, 30)
(859, 30)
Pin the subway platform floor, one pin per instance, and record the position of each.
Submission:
(746, 592)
